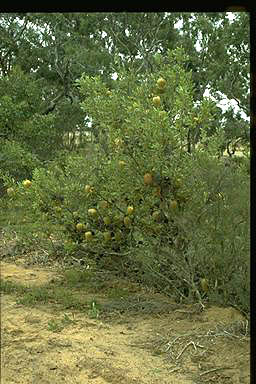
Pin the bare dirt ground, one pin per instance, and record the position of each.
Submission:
(180, 347)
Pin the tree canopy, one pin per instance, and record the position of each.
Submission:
(43, 54)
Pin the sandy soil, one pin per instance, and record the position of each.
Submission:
(180, 347)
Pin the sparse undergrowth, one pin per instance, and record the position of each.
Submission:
(106, 296)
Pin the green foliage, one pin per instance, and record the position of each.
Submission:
(216, 222)
(94, 310)
(16, 161)
(191, 222)
(187, 223)
(44, 55)
(22, 118)
(59, 325)
(37, 107)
